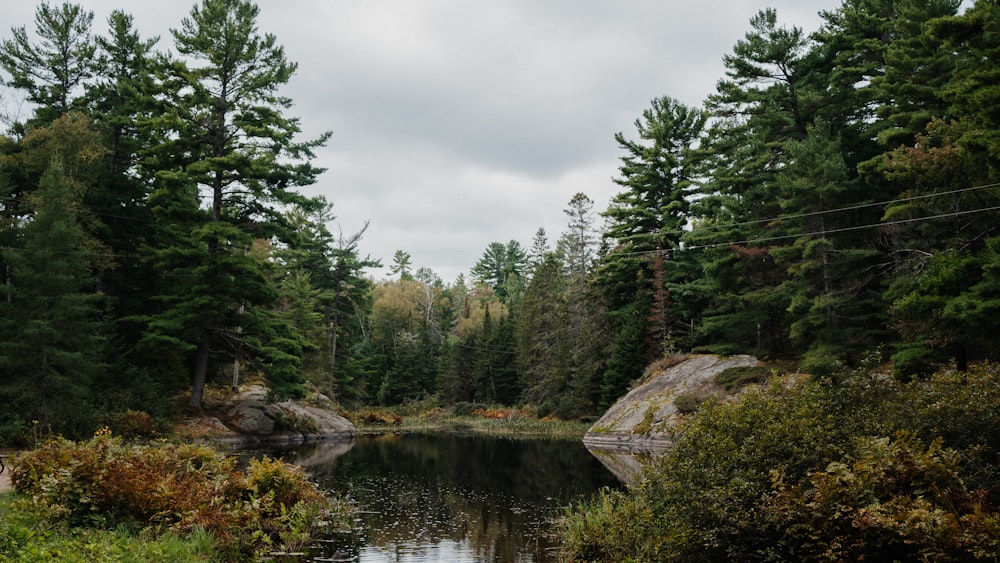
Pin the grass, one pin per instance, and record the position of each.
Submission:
(486, 426)
(26, 535)
(427, 416)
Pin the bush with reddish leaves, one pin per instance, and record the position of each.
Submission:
(892, 500)
(106, 482)
(134, 424)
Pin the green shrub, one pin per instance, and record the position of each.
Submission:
(687, 403)
(822, 362)
(807, 470)
(373, 416)
(27, 535)
(613, 526)
(734, 378)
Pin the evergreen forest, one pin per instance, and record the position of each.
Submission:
(837, 195)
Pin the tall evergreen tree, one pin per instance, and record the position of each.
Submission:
(348, 308)
(649, 214)
(653, 208)
(972, 93)
(121, 104)
(538, 251)
(340, 296)
(54, 70)
(578, 244)
(50, 334)
(939, 248)
(886, 72)
(402, 262)
(541, 335)
(836, 310)
(502, 268)
(227, 138)
(494, 368)
(771, 94)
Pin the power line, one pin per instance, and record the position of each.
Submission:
(824, 212)
(68, 252)
(844, 229)
(706, 227)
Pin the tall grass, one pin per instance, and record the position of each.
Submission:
(28, 535)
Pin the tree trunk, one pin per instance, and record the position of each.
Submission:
(961, 357)
(200, 371)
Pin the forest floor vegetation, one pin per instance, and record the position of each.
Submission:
(106, 499)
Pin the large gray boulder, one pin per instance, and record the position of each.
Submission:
(642, 420)
(250, 414)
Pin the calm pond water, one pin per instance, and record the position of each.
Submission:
(450, 497)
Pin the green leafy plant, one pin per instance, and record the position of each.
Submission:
(689, 401)
(734, 378)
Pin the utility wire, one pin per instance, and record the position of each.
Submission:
(844, 229)
(814, 233)
(707, 227)
(823, 212)
(849, 208)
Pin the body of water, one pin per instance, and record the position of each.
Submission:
(449, 497)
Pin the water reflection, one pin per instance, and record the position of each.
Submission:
(446, 497)
(626, 465)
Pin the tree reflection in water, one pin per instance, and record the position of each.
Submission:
(449, 497)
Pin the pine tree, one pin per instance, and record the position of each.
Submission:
(502, 268)
(628, 358)
(886, 72)
(836, 310)
(538, 251)
(227, 136)
(120, 102)
(578, 244)
(772, 92)
(54, 70)
(402, 262)
(542, 335)
(649, 214)
(972, 94)
(50, 334)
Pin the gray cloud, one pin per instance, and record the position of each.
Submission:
(457, 123)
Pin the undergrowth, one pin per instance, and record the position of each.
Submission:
(858, 467)
(167, 491)
(28, 535)
(483, 418)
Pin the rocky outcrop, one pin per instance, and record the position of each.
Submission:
(642, 420)
(248, 417)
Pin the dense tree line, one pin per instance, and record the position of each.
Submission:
(835, 194)
(153, 235)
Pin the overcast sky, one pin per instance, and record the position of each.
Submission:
(457, 123)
